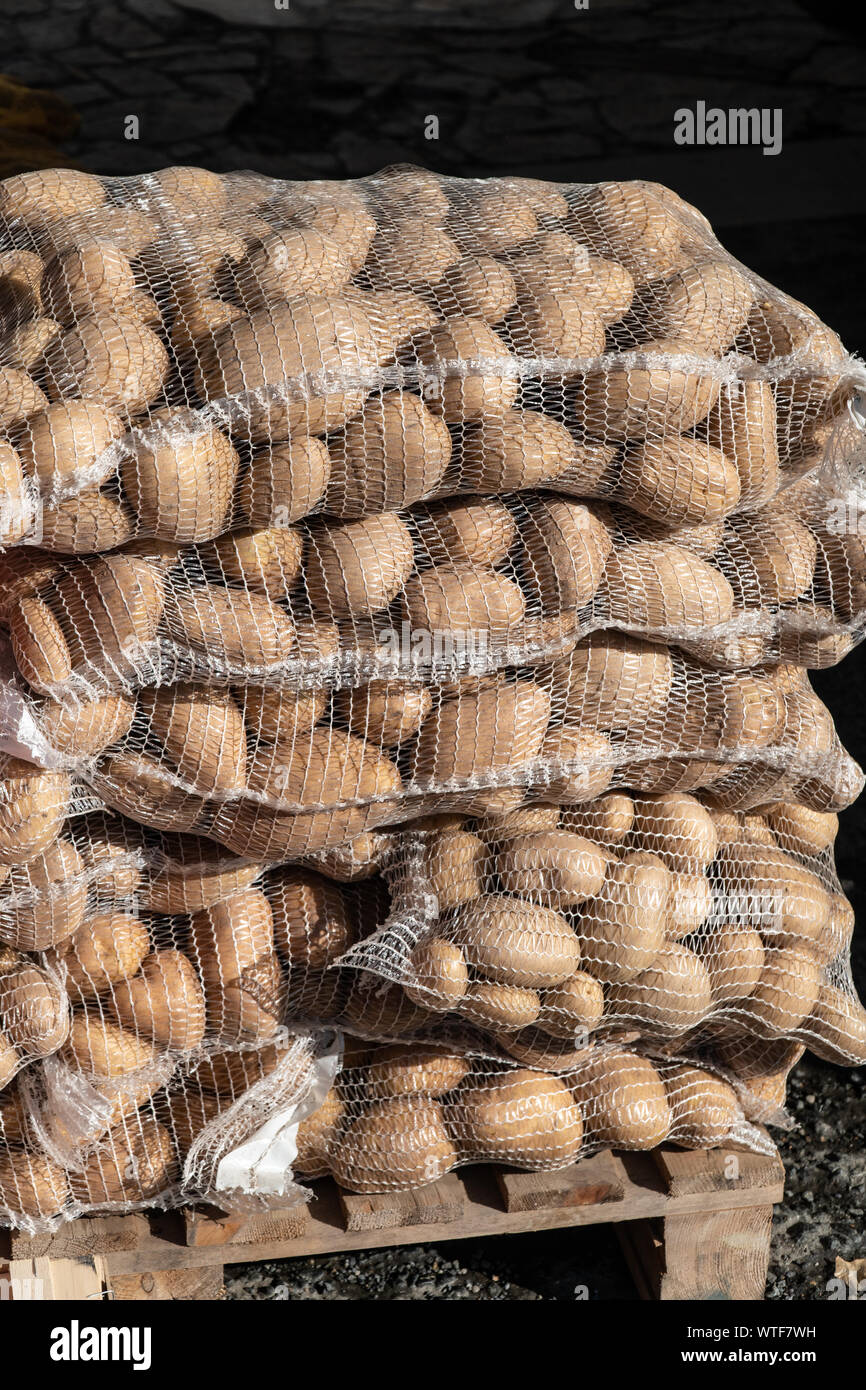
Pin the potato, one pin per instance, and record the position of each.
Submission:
(690, 903)
(390, 455)
(580, 763)
(522, 1117)
(479, 286)
(179, 476)
(664, 586)
(100, 1048)
(164, 1001)
(705, 1109)
(440, 973)
(110, 609)
(836, 1027)
(380, 1013)
(107, 356)
(801, 830)
(197, 318)
(554, 868)
(229, 936)
(455, 867)
(400, 1070)
(623, 1100)
(787, 902)
(561, 323)
(45, 196)
(747, 712)
(394, 316)
(267, 560)
(30, 1184)
(498, 728)
(322, 768)
(112, 855)
(40, 649)
(280, 716)
(493, 216)
(785, 994)
(565, 547)
(734, 957)
(611, 681)
(345, 221)
(456, 389)
(135, 1160)
(82, 279)
(17, 505)
(386, 712)
(519, 449)
(316, 1135)
(140, 787)
(107, 948)
(248, 1007)
(650, 399)
(202, 733)
(513, 942)
(573, 1009)
(357, 567)
(772, 557)
(679, 481)
(671, 995)
(34, 1010)
(409, 253)
(257, 364)
(20, 288)
(629, 222)
(500, 1008)
(312, 927)
(393, 1145)
(191, 875)
(404, 189)
(704, 304)
(606, 821)
(290, 262)
(678, 829)
(464, 599)
(743, 425)
(244, 632)
(13, 1118)
(186, 191)
(361, 859)
(86, 524)
(20, 397)
(622, 929)
(229, 1074)
(34, 803)
(66, 444)
(468, 531)
(529, 820)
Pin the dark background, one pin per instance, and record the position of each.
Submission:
(535, 87)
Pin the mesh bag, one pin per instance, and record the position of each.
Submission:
(244, 1128)
(385, 564)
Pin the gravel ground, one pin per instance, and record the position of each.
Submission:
(823, 1215)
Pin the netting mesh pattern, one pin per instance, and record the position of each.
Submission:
(407, 756)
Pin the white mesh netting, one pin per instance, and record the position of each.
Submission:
(407, 593)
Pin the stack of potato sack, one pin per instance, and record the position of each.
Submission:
(465, 543)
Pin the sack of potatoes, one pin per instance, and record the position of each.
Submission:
(660, 913)
(147, 1135)
(403, 1115)
(495, 409)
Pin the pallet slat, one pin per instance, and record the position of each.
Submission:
(687, 1228)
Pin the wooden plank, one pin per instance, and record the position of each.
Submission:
(210, 1226)
(597, 1179)
(49, 1280)
(82, 1238)
(184, 1285)
(437, 1204)
(644, 1197)
(717, 1255)
(689, 1172)
(643, 1248)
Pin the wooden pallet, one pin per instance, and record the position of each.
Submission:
(692, 1225)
